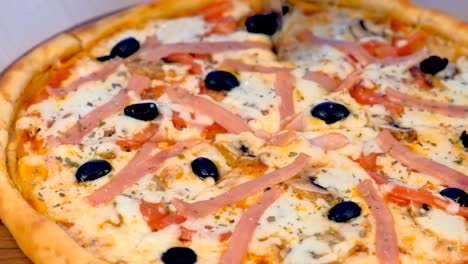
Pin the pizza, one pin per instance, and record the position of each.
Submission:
(241, 132)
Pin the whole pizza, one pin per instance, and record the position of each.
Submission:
(238, 131)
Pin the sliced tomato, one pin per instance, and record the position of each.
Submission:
(414, 43)
(153, 92)
(369, 164)
(186, 234)
(379, 49)
(139, 138)
(212, 130)
(368, 97)
(398, 25)
(157, 217)
(58, 76)
(188, 60)
(225, 236)
(216, 10)
(420, 79)
(178, 122)
(224, 25)
(401, 193)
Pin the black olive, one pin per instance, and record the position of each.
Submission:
(426, 207)
(456, 195)
(464, 139)
(125, 48)
(142, 111)
(433, 64)
(244, 149)
(285, 9)
(312, 180)
(104, 58)
(263, 23)
(204, 168)
(179, 255)
(330, 112)
(221, 81)
(344, 211)
(92, 170)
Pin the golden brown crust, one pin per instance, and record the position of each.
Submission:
(428, 19)
(43, 240)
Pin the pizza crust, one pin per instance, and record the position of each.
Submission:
(41, 239)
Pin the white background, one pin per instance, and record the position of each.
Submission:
(24, 24)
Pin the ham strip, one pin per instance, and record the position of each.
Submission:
(294, 122)
(321, 78)
(101, 74)
(140, 165)
(391, 146)
(330, 141)
(283, 139)
(355, 50)
(92, 120)
(231, 122)
(386, 242)
(244, 230)
(405, 61)
(238, 65)
(284, 85)
(350, 81)
(427, 105)
(162, 51)
(242, 191)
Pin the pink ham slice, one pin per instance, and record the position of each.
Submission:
(427, 105)
(405, 61)
(162, 51)
(330, 141)
(141, 164)
(391, 146)
(243, 233)
(238, 65)
(231, 122)
(284, 85)
(386, 242)
(242, 191)
(283, 138)
(87, 123)
(353, 49)
(350, 81)
(321, 78)
(101, 74)
(294, 122)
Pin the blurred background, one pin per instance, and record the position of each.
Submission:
(24, 24)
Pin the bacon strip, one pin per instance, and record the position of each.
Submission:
(231, 122)
(284, 85)
(386, 242)
(87, 123)
(238, 65)
(140, 165)
(101, 74)
(242, 191)
(427, 105)
(391, 146)
(321, 78)
(330, 141)
(162, 51)
(355, 50)
(240, 239)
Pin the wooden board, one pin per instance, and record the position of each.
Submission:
(9, 250)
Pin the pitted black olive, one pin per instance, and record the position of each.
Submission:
(285, 9)
(464, 139)
(344, 211)
(142, 111)
(221, 81)
(263, 23)
(330, 112)
(123, 49)
(204, 168)
(92, 170)
(433, 65)
(457, 195)
(179, 255)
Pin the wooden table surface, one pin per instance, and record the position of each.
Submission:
(9, 250)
